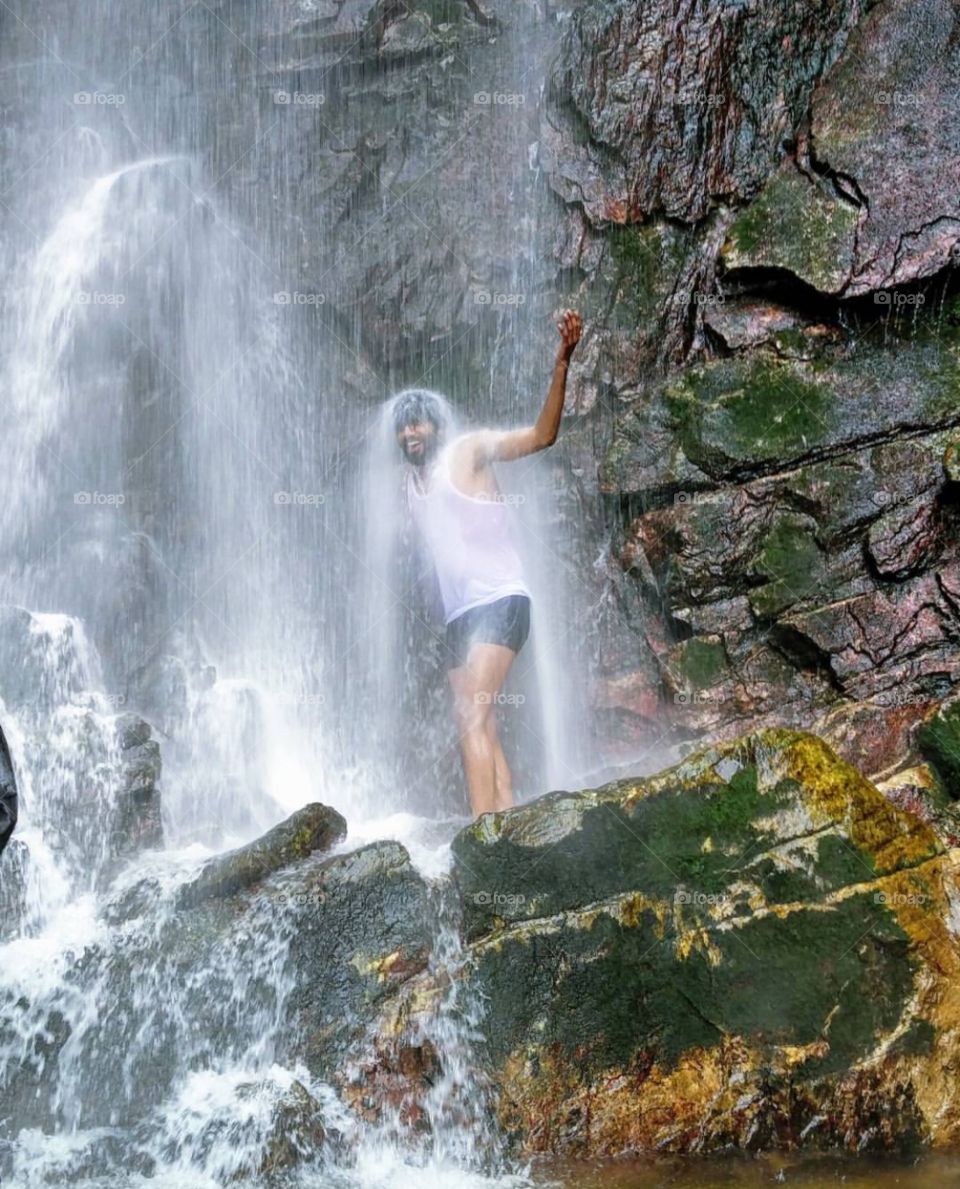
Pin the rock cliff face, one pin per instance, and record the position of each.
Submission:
(772, 207)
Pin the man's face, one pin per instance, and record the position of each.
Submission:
(418, 441)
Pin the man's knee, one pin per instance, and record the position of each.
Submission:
(473, 714)
(471, 710)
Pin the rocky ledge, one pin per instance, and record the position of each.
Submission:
(754, 949)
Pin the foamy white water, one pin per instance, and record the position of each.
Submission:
(199, 527)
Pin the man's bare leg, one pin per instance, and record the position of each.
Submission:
(501, 769)
(475, 686)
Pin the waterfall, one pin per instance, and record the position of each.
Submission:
(202, 547)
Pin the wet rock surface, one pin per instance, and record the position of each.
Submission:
(313, 828)
(336, 934)
(799, 528)
(367, 928)
(138, 824)
(674, 124)
(752, 948)
(13, 889)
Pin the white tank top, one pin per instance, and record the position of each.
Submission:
(470, 540)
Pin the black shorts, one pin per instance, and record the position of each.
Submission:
(506, 622)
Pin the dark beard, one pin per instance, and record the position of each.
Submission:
(424, 458)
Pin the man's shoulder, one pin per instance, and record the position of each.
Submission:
(469, 446)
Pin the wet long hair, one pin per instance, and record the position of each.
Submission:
(414, 405)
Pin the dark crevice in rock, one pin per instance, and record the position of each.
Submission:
(916, 233)
(803, 653)
(740, 473)
(844, 185)
(697, 1010)
(951, 597)
(783, 286)
(909, 311)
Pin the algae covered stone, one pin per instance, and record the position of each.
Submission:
(795, 225)
(314, 828)
(751, 948)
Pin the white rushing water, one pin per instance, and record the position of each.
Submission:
(130, 1055)
(197, 527)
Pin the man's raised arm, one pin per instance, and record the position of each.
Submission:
(506, 445)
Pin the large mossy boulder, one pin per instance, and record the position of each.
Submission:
(754, 948)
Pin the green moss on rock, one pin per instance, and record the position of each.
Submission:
(702, 662)
(602, 991)
(939, 743)
(792, 561)
(747, 810)
(753, 410)
(794, 225)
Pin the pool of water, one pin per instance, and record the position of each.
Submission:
(927, 1171)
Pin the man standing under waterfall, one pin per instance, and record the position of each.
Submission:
(454, 498)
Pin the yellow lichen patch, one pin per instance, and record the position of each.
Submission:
(738, 896)
(797, 854)
(923, 900)
(418, 999)
(382, 966)
(920, 899)
(642, 1108)
(790, 822)
(793, 1055)
(836, 792)
(627, 910)
(364, 964)
(696, 940)
(387, 964)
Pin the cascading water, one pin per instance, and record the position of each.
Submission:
(189, 532)
(118, 1051)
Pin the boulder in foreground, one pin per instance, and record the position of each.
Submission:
(752, 949)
